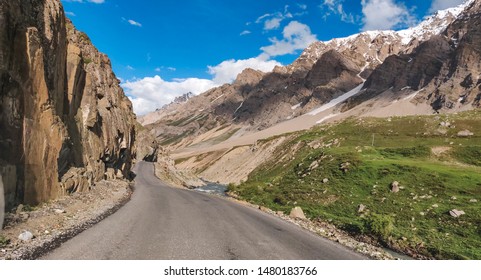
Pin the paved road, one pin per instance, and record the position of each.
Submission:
(167, 223)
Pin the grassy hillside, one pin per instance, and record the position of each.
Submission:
(437, 169)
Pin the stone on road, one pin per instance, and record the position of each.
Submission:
(163, 223)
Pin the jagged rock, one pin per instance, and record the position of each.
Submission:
(395, 187)
(456, 213)
(75, 180)
(61, 106)
(314, 165)
(110, 174)
(361, 208)
(59, 211)
(25, 236)
(345, 166)
(465, 133)
(297, 213)
(19, 209)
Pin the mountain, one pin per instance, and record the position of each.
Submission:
(323, 72)
(442, 71)
(65, 122)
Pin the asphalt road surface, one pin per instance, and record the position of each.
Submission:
(164, 223)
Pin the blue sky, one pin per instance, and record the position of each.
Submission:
(161, 49)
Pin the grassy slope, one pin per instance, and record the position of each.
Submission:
(417, 217)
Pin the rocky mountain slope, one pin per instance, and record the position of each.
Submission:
(324, 71)
(65, 122)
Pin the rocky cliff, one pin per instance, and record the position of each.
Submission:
(443, 71)
(65, 121)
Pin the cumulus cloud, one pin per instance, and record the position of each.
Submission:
(444, 4)
(296, 36)
(385, 14)
(228, 70)
(336, 7)
(134, 23)
(151, 93)
(273, 23)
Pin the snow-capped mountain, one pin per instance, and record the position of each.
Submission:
(429, 56)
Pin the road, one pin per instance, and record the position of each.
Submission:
(164, 223)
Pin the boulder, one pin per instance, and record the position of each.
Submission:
(25, 236)
(361, 208)
(465, 133)
(395, 187)
(297, 213)
(325, 180)
(456, 213)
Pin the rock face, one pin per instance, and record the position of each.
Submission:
(443, 71)
(63, 116)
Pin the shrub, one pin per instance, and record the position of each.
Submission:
(380, 225)
(4, 241)
(411, 152)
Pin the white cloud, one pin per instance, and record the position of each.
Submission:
(259, 19)
(151, 93)
(273, 23)
(296, 36)
(302, 6)
(444, 4)
(228, 70)
(336, 7)
(385, 14)
(171, 69)
(245, 32)
(72, 14)
(130, 67)
(134, 23)
(157, 69)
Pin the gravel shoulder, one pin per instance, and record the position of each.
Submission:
(53, 223)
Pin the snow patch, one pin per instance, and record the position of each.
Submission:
(217, 98)
(412, 95)
(240, 106)
(337, 100)
(330, 116)
(296, 106)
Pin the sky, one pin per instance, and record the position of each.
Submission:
(161, 49)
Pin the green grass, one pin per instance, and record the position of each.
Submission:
(416, 218)
(469, 155)
(4, 241)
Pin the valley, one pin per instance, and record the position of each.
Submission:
(361, 143)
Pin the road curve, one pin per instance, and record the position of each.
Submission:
(164, 223)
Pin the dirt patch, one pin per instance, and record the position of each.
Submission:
(439, 151)
(56, 222)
